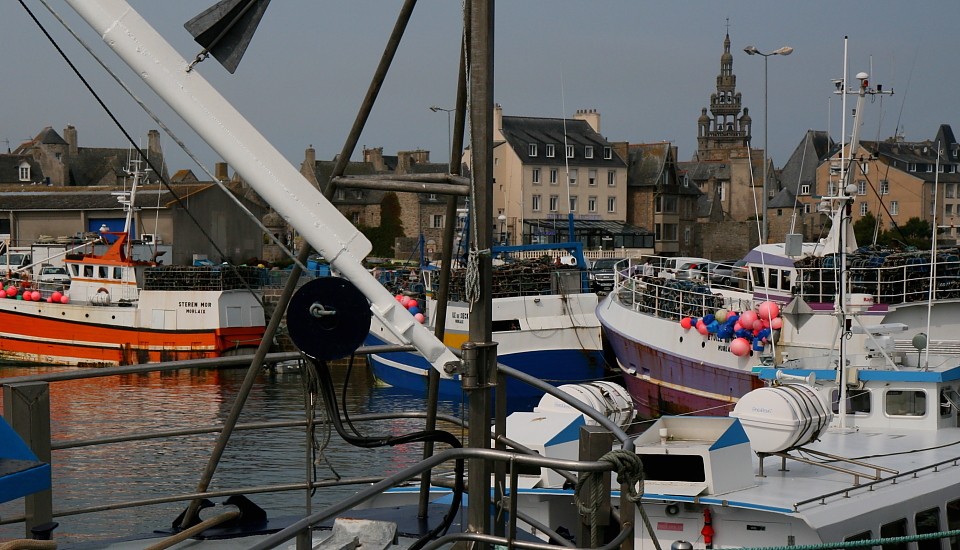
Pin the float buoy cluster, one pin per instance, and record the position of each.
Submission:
(28, 295)
(745, 331)
(411, 305)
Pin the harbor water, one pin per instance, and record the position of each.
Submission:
(111, 406)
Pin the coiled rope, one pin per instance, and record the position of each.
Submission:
(629, 470)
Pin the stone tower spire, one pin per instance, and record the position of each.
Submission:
(724, 128)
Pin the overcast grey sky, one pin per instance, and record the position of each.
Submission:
(647, 66)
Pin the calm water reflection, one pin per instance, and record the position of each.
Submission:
(108, 406)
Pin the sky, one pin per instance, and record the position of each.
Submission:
(648, 67)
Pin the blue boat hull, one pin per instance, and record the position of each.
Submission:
(568, 366)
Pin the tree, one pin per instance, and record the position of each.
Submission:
(391, 226)
(863, 229)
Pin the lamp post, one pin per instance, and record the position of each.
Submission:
(785, 50)
(435, 109)
(503, 236)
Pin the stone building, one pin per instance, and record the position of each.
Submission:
(59, 161)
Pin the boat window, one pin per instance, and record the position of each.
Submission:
(949, 399)
(505, 325)
(858, 401)
(758, 279)
(905, 403)
(928, 521)
(117, 273)
(657, 467)
(784, 279)
(88, 271)
(74, 270)
(103, 271)
(866, 535)
(953, 522)
(896, 528)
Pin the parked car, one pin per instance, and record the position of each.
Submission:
(54, 274)
(721, 272)
(684, 268)
(601, 274)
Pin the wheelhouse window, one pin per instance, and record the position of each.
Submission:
(928, 521)
(905, 403)
(896, 528)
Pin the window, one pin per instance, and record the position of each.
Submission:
(905, 403)
(569, 151)
(611, 178)
(553, 176)
(573, 176)
(554, 201)
(550, 151)
(591, 204)
(592, 177)
(588, 151)
(806, 208)
(949, 189)
(928, 521)
(607, 153)
(436, 221)
(535, 176)
(59, 156)
(831, 189)
(863, 209)
(771, 193)
(535, 200)
(805, 189)
(611, 204)
(24, 171)
(896, 528)
(573, 203)
(895, 208)
(858, 401)
(532, 150)
(355, 218)
(884, 187)
(340, 195)
(669, 232)
(118, 273)
(861, 187)
(866, 535)
(928, 168)
(911, 167)
(723, 191)
(953, 522)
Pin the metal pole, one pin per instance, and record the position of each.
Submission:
(766, 118)
(27, 409)
(481, 126)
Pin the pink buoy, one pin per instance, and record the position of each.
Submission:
(748, 317)
(768, 310)
(737, 326)
(26, 296)
(3, 293)
(702, 329)
(49, 299)
(11, 291)
(740, 347)
(776, 323)
(56, 296)
(420, 318)
(64, 299)
(757, 325)
(35, 295)
(686, 323)
(399, 297)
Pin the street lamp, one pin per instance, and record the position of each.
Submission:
(503, 235)
(435, 109)
(751, 50)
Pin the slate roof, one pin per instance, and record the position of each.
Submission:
(904, 153)
(93, 164)
(783, 199)
(10, 168)
(801, 167)
(647, 163)
(324, 168)
(520, 132)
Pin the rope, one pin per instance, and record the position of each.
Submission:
(891, 541)
(28, 544)
(629, 470)
(195, 530)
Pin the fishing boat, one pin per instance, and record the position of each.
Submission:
(692, 345)
(116, 310)
(544, 322)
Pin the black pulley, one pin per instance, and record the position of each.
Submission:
(328, 318)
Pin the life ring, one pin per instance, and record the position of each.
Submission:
(102, 290)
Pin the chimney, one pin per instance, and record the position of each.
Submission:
(221, 171)
(153, 143)
(70, 136)
(310, 157)
(591, 116)
(375, 157)
(498, 123)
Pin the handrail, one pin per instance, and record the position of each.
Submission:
(952, 461)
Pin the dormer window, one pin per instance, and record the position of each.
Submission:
(569, 151)
(550, 150)
(588, 151)
(532, 150)
(24, 171)
(607, 153)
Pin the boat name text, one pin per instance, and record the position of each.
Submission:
(195, 307)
